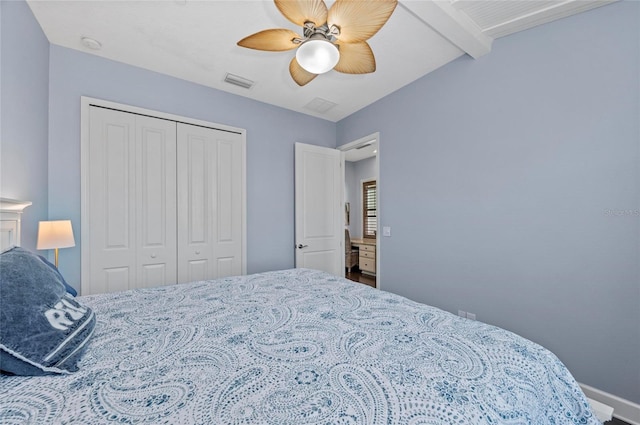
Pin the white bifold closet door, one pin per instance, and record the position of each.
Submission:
(209, 203)
(132, 219)
(164, 202)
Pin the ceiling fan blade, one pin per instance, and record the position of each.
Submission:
(276, 40)
(300, 75)
(359, 20)
(301, 11)
(356, 58)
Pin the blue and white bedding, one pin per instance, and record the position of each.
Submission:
(294, 347)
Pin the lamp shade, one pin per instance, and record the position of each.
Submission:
(55, 234)
(318, 56)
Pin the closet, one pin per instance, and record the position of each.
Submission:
(162, 202)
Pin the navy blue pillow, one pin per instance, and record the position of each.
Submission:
(43, 329)
(68, 287)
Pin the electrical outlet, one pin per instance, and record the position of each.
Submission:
(466, 314)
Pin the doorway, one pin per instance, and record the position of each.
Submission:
(362, 221)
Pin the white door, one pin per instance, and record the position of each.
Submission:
(155, 202)
(210, 203)
(131, 212)
(319, 216)
(111, 201)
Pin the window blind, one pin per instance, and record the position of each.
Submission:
(369, 209)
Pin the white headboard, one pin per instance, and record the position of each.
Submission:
(10, 218)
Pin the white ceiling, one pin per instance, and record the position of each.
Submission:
(196, 41)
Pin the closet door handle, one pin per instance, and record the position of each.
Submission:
(300, 246)
(153, 255)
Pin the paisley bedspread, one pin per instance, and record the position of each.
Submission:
(294, 347)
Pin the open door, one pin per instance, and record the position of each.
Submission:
(319, 214)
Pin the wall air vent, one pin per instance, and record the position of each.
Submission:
(367, 144)
(236, 80)
(320, 105)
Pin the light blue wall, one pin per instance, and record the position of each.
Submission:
(355, 173)
(271, 135)
(499, 177)
(24, 79)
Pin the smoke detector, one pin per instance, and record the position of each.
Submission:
(91, 43)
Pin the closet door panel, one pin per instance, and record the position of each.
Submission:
(225, 180)
(195, 203)
(209, 203)
(154, 275)
(196, 270)
(117, 161)
(156, 202)
(197, 168)
(227, 266)
(111, 200)
(228, 224)
(116, 279)
(132, 201)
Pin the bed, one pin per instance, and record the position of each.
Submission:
(294, 347)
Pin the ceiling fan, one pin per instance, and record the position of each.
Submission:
(332, 38)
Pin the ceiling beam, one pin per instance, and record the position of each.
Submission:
(453, 25)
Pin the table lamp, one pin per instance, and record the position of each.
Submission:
(54, 235)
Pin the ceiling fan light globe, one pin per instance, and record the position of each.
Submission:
(318, 56)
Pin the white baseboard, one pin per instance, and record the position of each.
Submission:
(625, 410)
(602, 411)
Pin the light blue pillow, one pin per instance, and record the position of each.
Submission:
(43, 329)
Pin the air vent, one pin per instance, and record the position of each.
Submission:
(238, 81)
(369, 143)
(320, 105)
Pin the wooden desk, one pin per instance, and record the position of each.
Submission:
(367, 241)
(367, 258)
